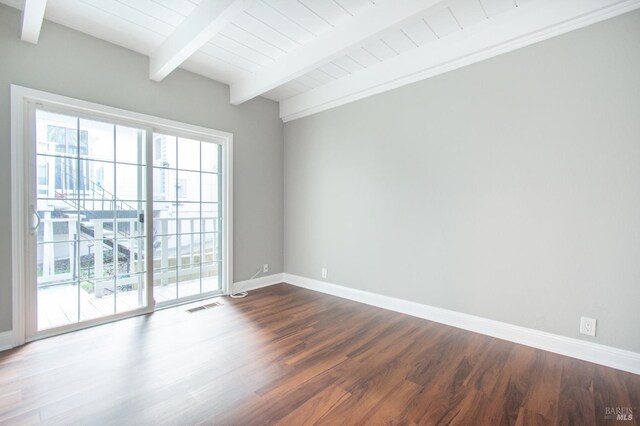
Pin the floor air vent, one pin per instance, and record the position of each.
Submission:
(203, 307)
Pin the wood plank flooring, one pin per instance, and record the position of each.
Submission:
(290, 356)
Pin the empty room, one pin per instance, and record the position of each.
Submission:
(335, 212)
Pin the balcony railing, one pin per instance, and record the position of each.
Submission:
(103, 254)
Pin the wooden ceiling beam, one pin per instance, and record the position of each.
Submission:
(32, 17)
(206, 20)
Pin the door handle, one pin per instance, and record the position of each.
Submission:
(38, 220)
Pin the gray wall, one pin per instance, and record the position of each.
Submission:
(509, 189)
(72, 64)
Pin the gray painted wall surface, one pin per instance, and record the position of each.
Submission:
(69, 63)
(509, 189)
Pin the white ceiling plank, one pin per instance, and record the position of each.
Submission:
(442, 22)
(245, 52)
(303, 84)
(331, 45)
(274, 19)
(287, 91)
(419, 32)
(299, 14)
(281, 93)
(155, 10)
(331, 12)
(307, 81)
(297, 86)
(348, 63)
(399, 41)
(467, 12)
(333, 70)
(272, 95)
(252, 41)
(212, 68)
(183, 7)
(103, 25)
(32, 16)
(320, 76)
(379, 49)
(362, 57)
(132, 15)
(229, 56)
(495, 7)
(205, 21)
(521, 26)
(354, 6)
(265, 32)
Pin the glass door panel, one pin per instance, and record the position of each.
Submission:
(91, 197)
(186, 188)
(57, 240)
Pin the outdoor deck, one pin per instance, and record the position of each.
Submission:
(58, 305)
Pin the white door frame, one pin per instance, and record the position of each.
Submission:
(22, 132)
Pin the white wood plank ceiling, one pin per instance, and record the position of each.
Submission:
(311, 55)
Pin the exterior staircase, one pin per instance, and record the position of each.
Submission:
(98, 207)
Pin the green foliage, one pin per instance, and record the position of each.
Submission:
(87, 286)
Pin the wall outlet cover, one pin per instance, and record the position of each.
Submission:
(324, 272)
(588, 326)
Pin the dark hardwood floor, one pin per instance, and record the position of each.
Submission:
(286, 355)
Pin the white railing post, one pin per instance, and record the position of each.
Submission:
(73, 232)
(133, 266)
(139, 245)
(191, 237)
(178, 248)
(164, 256)
(51, 176)
(48, 250)
(98, 262)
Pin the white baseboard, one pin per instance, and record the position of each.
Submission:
(258, 282)
(7, 340)
(580, 349)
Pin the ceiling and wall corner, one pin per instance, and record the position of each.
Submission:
(312, 55)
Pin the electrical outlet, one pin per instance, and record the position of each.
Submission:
(265, 267)
(588, 326)
(324, 272)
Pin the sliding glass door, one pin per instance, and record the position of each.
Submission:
(116, 206)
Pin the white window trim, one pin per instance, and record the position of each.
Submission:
(20, 99)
